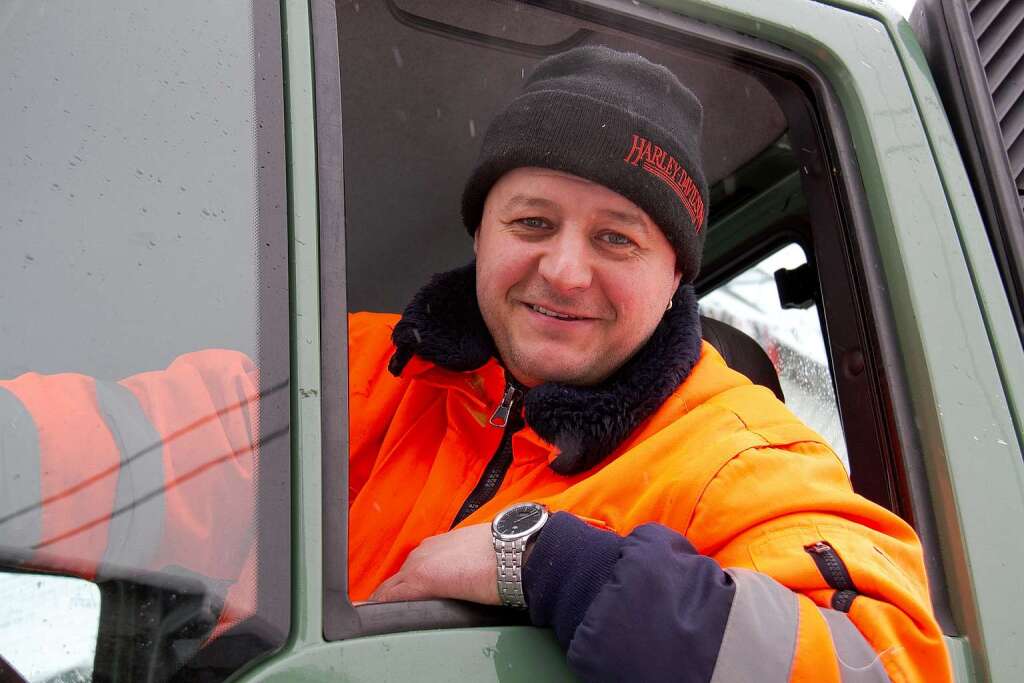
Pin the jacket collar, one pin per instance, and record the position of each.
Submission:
(442, 325)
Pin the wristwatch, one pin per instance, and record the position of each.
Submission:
(512, 528)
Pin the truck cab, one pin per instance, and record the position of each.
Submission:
(242, 175)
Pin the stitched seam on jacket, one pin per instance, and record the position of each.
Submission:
(734, 456)
(718, 470)
(714, 475)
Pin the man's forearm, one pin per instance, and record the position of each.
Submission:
(667, 625)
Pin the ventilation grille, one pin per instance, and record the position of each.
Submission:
(999, 30)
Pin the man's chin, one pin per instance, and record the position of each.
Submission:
(538, 371)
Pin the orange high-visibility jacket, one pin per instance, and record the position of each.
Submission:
(722, 461)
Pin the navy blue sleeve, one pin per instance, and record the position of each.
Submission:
(647, 607)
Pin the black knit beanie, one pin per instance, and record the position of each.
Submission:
(614, 118)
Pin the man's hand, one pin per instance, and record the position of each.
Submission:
(459, 564)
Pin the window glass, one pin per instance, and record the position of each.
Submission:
(791, 337)
(143, 335)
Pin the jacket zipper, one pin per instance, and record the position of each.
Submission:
(835, 573)
(509, 417)
(504, 409)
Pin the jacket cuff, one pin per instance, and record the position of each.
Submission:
(568, 566)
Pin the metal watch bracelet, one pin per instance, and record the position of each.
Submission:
(510, 571)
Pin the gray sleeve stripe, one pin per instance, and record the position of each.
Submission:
(760, 636)
(21, 513)
(858, 662)
(137, 519)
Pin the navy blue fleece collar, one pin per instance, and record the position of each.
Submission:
(442, 325)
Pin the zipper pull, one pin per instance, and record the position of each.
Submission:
(500, 416)
(832, 567)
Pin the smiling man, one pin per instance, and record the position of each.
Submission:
(545, 428)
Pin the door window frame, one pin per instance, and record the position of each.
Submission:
(858, 325)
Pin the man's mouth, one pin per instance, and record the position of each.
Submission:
(537, 308)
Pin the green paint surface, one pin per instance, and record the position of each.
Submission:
(503, 655)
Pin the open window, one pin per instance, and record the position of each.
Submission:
(773, 301)
(419, 83)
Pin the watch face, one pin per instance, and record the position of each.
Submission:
(519, 520)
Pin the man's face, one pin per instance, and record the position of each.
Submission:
(572, 277)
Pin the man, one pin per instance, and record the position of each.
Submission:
(565, 369)
(545, 427)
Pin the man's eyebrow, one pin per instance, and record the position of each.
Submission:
(626, 218)
(631, 218)
(526, 201)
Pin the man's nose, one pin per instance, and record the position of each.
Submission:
(565, 263)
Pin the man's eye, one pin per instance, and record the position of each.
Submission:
(533, 222)
(616, 239)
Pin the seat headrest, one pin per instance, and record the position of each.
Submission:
(742, 354)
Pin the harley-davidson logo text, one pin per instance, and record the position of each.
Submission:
(663, 165)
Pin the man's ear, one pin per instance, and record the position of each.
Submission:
(675, 280)
(476, 239)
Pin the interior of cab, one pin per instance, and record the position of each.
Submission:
(788, 235)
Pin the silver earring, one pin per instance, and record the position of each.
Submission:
(669, 307)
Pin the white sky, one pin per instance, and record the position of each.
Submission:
(903, 6)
